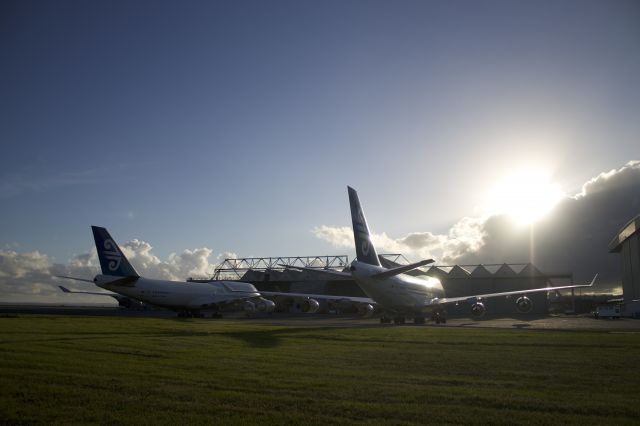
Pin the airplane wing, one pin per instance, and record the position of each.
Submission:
(401, 269)
(316, 270)
(320, 296)
(478, 297)
(97, 293)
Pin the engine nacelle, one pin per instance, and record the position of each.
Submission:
(478, 310)
(524, 305)
(310, 306)
(265, 305)
(366, 310)
(249, 307)
(125, 302)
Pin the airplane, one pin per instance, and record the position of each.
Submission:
(187, 298)
(403, 296)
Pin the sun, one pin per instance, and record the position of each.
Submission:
(526, 196)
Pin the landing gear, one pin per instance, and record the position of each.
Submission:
(399, 320)
(439, 318)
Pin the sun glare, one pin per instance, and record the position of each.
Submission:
(526, 196)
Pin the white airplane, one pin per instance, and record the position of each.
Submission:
(188, 298)
(403, 296)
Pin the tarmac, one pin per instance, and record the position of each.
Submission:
(549, 322)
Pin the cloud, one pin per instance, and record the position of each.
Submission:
(338, 236)
(29, 277)
(465, 236)
(574, 237)
(25, 273)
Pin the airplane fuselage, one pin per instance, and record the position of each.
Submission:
(179, 295)
(401, 293)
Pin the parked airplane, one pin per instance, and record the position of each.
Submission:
(188, 298)
(403, 296)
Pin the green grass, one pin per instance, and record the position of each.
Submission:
(56, 369)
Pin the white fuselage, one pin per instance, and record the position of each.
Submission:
(401, 293)
(180, 295)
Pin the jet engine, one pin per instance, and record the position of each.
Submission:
(249, 307)
(524, 305)
(478, 310)
(125, 302)
(366, 310)
(310, 306)
(265, 305)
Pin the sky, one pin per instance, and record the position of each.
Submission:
(193, 129)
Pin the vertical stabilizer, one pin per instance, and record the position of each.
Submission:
(364, 247)
(112, 260)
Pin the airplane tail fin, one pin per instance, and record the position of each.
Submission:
(112, 260)
(364, 247)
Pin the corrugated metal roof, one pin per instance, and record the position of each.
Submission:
(481, 271)
(627, 231)
(505, 271)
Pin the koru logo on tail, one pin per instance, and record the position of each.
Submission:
(362, 232)
(112, 254)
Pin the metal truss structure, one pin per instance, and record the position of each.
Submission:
(235, 268)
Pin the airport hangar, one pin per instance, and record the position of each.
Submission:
(627, 243)
(270, 274)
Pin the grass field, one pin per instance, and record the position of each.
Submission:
(56, 369)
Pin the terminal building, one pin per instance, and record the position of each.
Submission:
(627, 244)
(270, 274)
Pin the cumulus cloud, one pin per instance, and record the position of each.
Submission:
(465, 236)
(24, 274)
(29, 277)
(574, 237)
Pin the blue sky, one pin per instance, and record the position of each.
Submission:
(237, 125)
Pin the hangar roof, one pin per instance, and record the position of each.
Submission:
(627, 231)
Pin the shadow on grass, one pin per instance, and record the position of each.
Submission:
(273, 338)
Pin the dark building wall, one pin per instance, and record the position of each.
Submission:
(630, 258)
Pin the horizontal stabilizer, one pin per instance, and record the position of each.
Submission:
(96, 293)
(401, 269)
(73, 278)
(125, 281)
